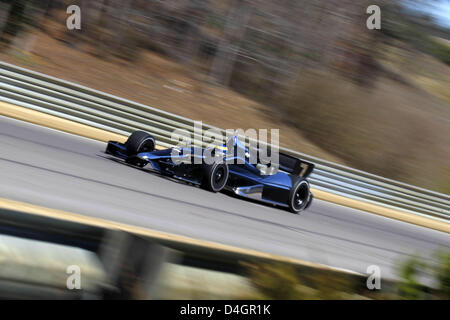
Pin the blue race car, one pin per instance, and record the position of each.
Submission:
(283, 185)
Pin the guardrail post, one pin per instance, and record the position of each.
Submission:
(133, 265)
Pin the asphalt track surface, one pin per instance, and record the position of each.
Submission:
(50, 168)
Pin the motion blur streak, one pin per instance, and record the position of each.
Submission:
(53, 169)
(53, 122)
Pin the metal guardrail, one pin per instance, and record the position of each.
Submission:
(36, 257)
(70, 101)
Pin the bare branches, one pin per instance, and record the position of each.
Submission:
(274, 40)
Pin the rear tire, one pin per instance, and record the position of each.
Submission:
(140, 141)
(299, 197)
(215, 176)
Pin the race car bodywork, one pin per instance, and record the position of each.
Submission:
(283, 184)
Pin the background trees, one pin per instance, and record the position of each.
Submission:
(250, 45)
(377, 100)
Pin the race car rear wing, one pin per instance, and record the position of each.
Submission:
(291, 164)
(295, 166)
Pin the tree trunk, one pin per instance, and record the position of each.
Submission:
(4, 14)
(223, 63)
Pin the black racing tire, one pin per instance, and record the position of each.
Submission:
(299, 196)
(140, 141)
(215, 176)
(311, 198)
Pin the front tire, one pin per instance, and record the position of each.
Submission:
(140, 141)
(215, 176)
